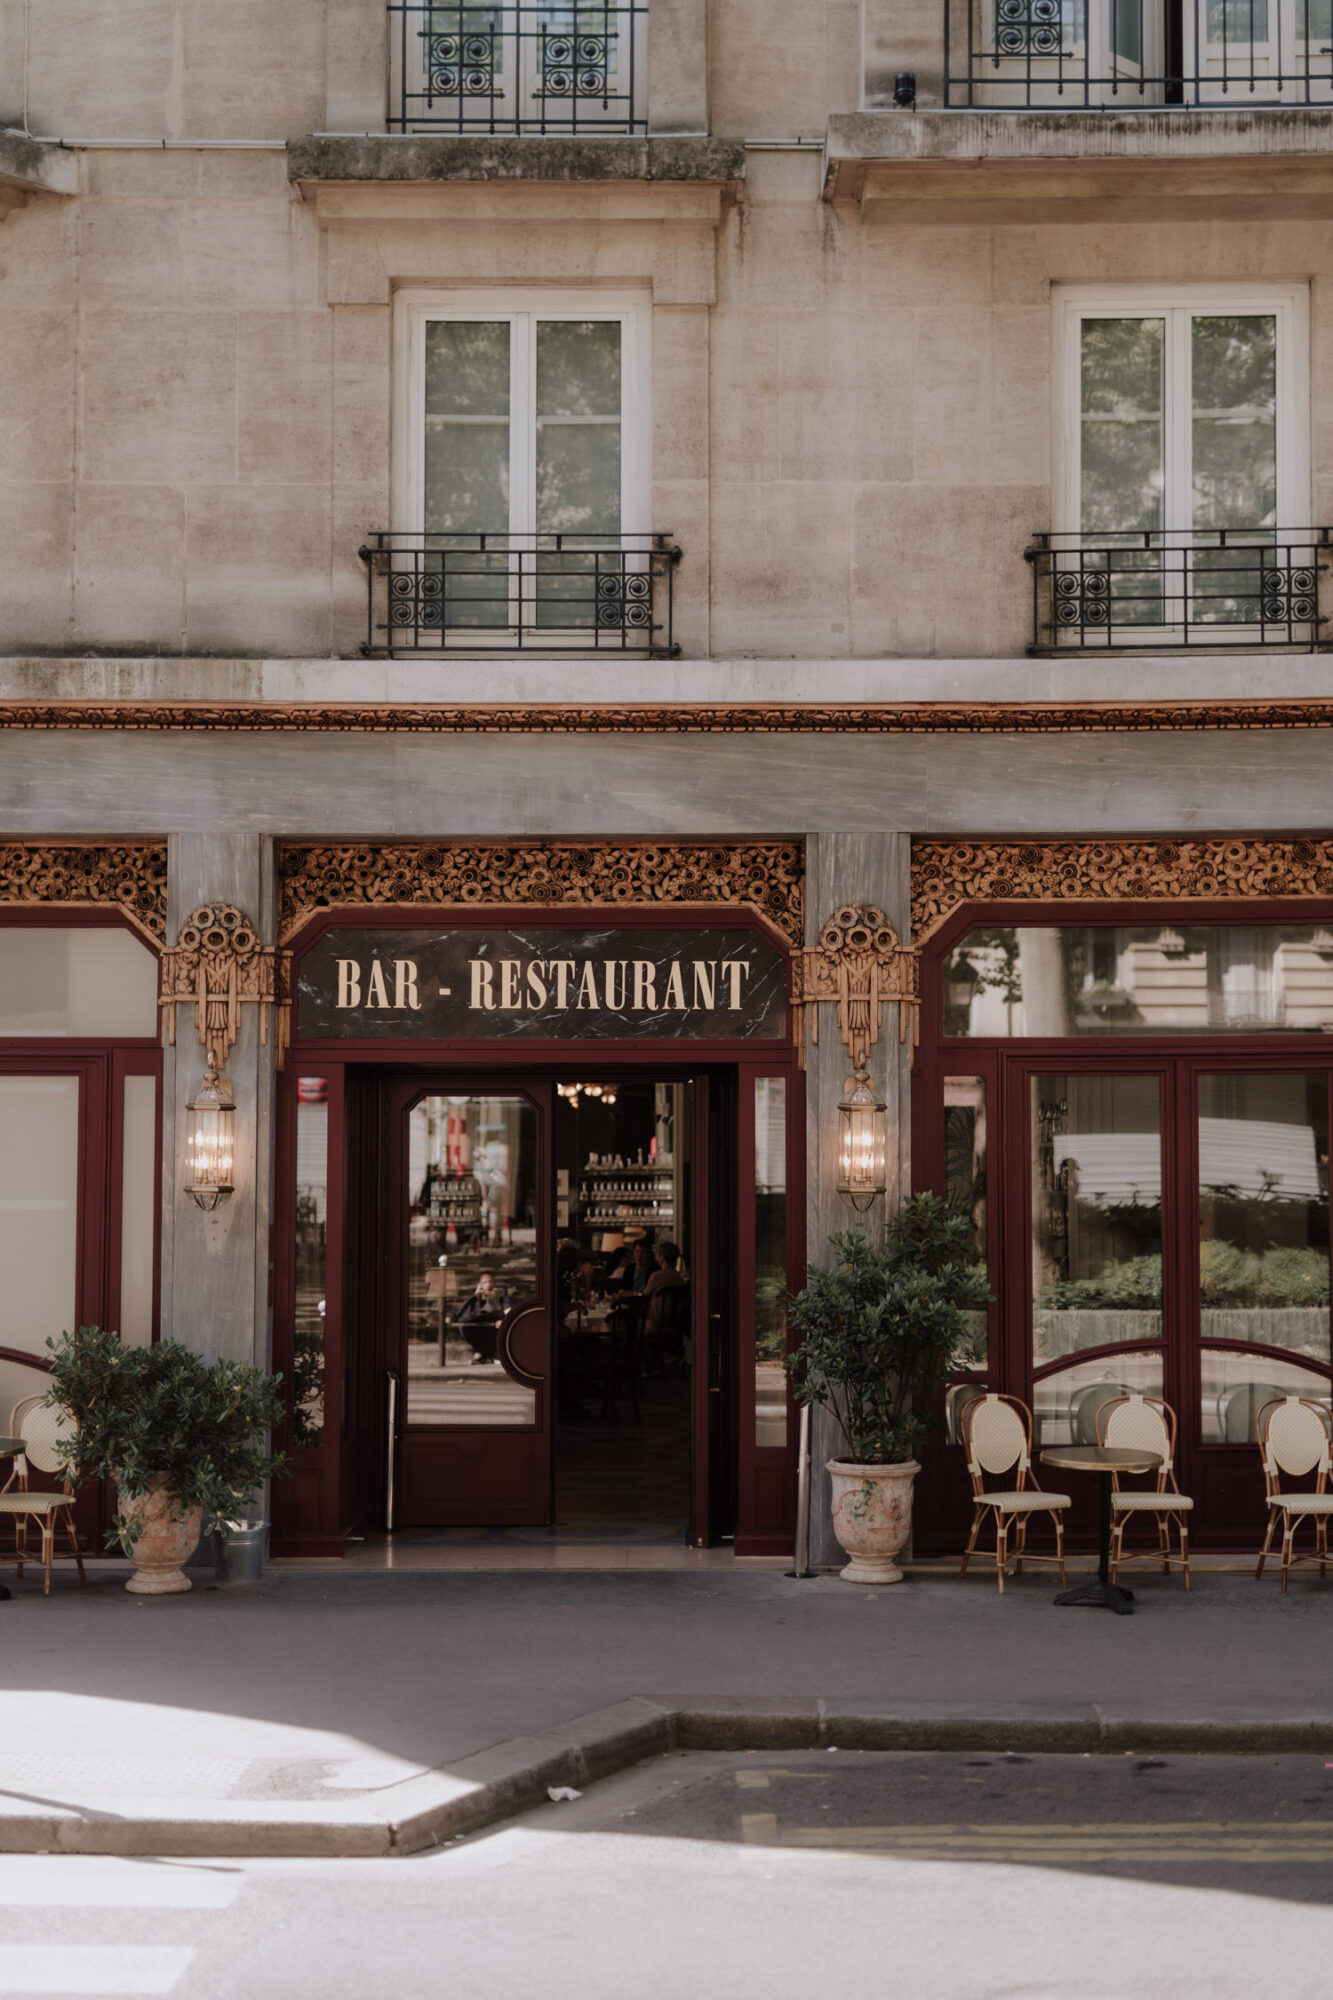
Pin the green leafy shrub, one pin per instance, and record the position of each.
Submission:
(144, 1411)
(1228, 1276)
(881, 1330)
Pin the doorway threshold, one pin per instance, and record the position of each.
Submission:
(640, 1546)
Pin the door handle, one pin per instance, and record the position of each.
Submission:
(714, 1357)
(393, 1439)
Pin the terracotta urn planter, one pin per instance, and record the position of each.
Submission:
(167, 1539)
(872, 1516)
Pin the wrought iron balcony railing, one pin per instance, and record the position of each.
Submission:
(1155, 590)
(505, 592)
(553, 66)
(1129, 55)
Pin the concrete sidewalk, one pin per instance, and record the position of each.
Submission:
(327, 1713)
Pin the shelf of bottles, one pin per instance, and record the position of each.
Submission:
(636, 1193)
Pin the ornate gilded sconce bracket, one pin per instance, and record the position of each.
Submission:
(217, 965)
(861, 966)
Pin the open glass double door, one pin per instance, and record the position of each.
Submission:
(534, 1375)
(1158, 1225)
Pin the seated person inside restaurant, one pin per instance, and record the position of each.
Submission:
(480, 1316)
(663, 1321)
(631, 1277)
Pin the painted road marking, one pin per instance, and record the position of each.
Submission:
(140, 1970)
(1236, 1842)
(36, 1879)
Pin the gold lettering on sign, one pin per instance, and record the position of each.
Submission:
(562, 968)
(509, 971)
(588, 988)
(675, 993)
(737, 972)
(349, 983)
(405, 983)
(483, 983)
(705, 983)
(538, 992)
(615, 992)
(377, 992)
(645, 986)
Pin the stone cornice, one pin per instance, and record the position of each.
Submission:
(647, 719)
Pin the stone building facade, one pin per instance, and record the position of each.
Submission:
(470, 471)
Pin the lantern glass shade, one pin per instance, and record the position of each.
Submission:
(862, 1138)
(210, 1122)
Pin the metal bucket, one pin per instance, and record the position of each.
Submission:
(241, 1552)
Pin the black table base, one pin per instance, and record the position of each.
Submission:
(1102, 1596)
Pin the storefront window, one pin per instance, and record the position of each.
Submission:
(39, 1211)
(1147, 979)
(138, 1204)
(472, 1258)
(1096, 1214)
(94, 981)
(312, 1196)
(1065, 1403)
(770, 1261)
(965, 1186)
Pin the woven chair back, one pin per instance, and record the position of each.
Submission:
(1136, 1424)
(1293, 1436)
(997, 1435)
(41, 1428)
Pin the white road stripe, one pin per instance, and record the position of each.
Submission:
(70, 1879)
(139, 1970)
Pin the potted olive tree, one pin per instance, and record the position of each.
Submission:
(881, 1331)
(183, 1438)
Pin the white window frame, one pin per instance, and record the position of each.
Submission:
(1289, 304)
(414, 310)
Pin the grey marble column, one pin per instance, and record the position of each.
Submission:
(215, 1267)
(850, 868)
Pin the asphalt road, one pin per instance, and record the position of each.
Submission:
(754, 1877)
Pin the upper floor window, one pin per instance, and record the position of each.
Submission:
(522, 477)
(1066, 55)
(562, 66)
(1181, 475)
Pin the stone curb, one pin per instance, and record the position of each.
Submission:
(511, 1777)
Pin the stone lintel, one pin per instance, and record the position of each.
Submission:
(428, 157)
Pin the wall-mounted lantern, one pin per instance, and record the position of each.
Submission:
(210, 1139)
(862, 1135)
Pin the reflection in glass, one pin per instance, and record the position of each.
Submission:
(1236, 1386)
(1096, 1213)
(965, 1186)
(578, 461)
(471, 1257)
(138, 1202)
(770, 1261)
(1263, 1213)
(1065, 1403)
(39, 1209)
(87, 980)
(312, 1203)
(467, 464)
(1112, 979)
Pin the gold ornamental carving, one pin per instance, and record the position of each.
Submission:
(946, 874)
(767, 876)
(218, 966)
(125, 875)
(861, 966)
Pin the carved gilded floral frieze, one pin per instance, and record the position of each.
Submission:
(125, 875)
(861, 966)
(763, 875)
(946, 874)
(217, 966)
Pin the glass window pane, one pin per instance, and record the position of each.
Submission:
(1236, 1386)
(39, 1209)
(138, 1210)
(1065, 1403)
(472, 1257)
(1263, 1211)
(578, 427)
(87, 980)
(1237, 24)
(467, 464)
(1234, 376)
(1109, 979)
(965, 1185)
(1122, 424)
(1096, 1213)
(770, 1261)
(312, 1203)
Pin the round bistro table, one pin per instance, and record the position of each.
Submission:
(1106, 1460)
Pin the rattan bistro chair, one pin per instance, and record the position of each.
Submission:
(40, 1427)
(997, 1436)
(1294, 1442)
(1145, 1423)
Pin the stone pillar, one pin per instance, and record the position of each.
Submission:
(677, 66)
(850, 868)
(215, 1267)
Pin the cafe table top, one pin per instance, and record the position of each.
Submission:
(1100, 1458)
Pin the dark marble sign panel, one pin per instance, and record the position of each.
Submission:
(593, 985)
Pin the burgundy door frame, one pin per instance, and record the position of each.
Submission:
(309, 1514)
(1228, 1487)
